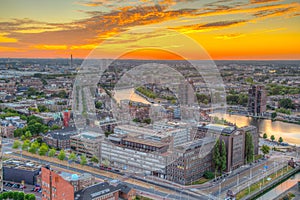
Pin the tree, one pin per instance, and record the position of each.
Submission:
(43, 149)
(265, 136)
(25, 145)
(249, 147)
(61, 155)
(106, 163)
(265, 149)
(208, 175)
(21, 196)
(272, 138)
(83, 160)
(30, 196)
(43, 108)
(95, 159)
(15, 195)
(216, 156)
(223, 156)
(286, 103)
(52, 153)
(280, 140)
(72, 156)
(23, 137)
(10, 194)
(16, 144)
(5, 195)
(273, 115)
(98, 104)
(34, 147)
(18, 132)
(28, 135)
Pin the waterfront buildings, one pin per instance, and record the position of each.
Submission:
(257, 100)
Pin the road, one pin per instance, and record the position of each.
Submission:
(143, 186)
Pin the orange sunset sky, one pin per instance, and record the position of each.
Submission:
(226, 29)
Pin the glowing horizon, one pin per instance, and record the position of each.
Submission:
(226, 29)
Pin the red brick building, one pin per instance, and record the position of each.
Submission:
(55, 187)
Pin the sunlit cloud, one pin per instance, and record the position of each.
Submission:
(108, 18)
(4, 39)
(85, 46)
(50, 47)
(229, 36)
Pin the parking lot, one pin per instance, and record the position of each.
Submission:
(27, 189)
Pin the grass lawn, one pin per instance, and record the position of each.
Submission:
(200, 181)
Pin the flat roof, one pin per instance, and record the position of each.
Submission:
(27, 165)
(146, 142)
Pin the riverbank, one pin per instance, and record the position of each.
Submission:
(288, 131)
(264, 117)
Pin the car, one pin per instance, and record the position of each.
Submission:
(16, 185)
(32, 189)
(40, 190)
(8, 184)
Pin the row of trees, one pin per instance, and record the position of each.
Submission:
(44, 150)
(16, 196)
(272, 137)
(146, 92)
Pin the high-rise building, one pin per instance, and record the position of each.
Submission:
(257, 100)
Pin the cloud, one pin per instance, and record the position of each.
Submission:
(275, 12)
(229, 36)
(210, 26)
(50, 47)
(4, 49)
(4, 39)
(104, 23)
(263, 1)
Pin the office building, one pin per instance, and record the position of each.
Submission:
(87, 143)
(234, 139)
(192, 159)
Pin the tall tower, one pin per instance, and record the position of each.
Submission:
(71, 61)
(257, 100)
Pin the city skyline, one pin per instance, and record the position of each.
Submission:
(226, 30)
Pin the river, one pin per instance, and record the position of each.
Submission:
(288, 131)
(281, 188)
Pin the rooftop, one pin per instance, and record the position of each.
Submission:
(95, 191)
(219, 128)
(27, 165)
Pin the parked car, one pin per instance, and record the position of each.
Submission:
(16, 185)
(8, 184)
